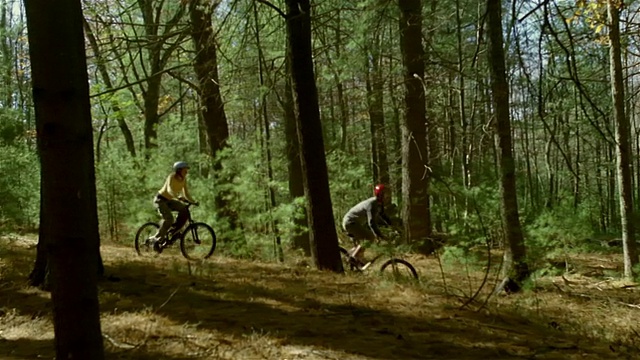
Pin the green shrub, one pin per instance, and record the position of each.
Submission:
(19, 187)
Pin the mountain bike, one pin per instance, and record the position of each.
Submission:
(393, 267)
(197, 239)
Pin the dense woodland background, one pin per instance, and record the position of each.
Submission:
(147, 100)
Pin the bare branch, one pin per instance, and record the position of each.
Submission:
(277, 9)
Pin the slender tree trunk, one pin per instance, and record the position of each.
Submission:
(415, 175)
(375, 85)
(102, 68)
(323, 237)
(622, 141)
(515, 268)
(267, 139)
(68, 198)
(7, 58)
(157, 56)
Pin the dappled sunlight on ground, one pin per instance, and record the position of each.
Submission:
(165, 307)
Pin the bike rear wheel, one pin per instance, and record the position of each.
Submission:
(347, 261)
(198, 242)
(143, 246)
(398, 269)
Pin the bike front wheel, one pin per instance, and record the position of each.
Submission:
(143, 245)
(398, 269)
(198, 242)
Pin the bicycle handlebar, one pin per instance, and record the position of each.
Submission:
(189, 203)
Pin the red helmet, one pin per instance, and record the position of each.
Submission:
(378, 190)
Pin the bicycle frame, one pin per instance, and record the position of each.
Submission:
(170, 240)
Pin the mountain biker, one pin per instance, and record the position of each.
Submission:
(172, 197)
(361, 221)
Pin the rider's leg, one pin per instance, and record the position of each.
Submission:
(183, 213)
(357, 232)
(162, 205)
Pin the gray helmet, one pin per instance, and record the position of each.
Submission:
(180, 165)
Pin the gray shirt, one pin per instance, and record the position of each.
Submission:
(366, 211)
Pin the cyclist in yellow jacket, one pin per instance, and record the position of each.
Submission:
(171, 197)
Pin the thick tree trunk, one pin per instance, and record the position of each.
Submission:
(296, 187)
(323, 237)
(211, 104)
(416, 214)
(515, 268)
(622, 140)
(65, 136)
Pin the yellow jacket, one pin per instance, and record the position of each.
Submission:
(175, 187)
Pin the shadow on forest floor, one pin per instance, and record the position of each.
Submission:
(166, 308)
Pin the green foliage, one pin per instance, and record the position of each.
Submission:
(348, 181)
(12, 129)
(19, 187)
(553, 234)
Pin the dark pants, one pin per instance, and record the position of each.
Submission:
(358, 232)
(165, 207)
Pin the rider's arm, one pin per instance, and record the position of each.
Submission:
(186, 194)
(371, 219)
(384, 216)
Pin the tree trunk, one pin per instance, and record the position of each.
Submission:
(279, 254)
(159, 49)
(102, 68)
(415, 175)
(211, 105)
(296, 187)
(515, 269)
(622, 140)
(323, 237)
(375, 104)
(68, 199)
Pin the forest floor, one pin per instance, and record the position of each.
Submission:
(166, 308)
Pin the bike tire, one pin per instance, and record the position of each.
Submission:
(198, 242)
(141, 243)
(399, 269)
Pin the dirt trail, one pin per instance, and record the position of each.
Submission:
(166, 308)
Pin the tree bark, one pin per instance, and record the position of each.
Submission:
(622, 141)
(375, 102)
(296, 188)
(515, 269)
(416, 214)
(68, 199)
(211, 104)
(322, 229)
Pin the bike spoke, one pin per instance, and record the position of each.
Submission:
(142, 243)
